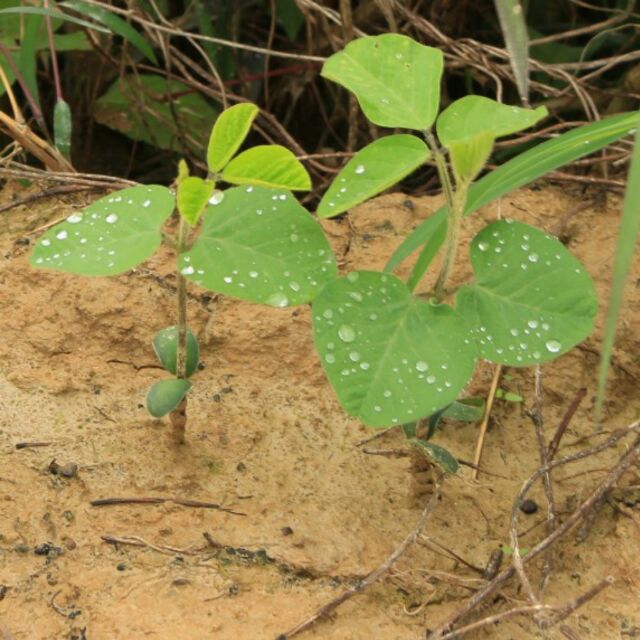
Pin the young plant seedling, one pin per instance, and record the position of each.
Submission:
(391, 356)
(253, 242)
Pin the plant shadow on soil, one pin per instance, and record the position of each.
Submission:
(267, 438)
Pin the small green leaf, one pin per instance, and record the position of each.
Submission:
(268, 165)
(115, 24)
(531, 301)
(471, 115)
(53, 14)
(466, 410)
(373, 169)
(62, 127)
(469, 156)
(113, 235)
(164, 396)
(514, 28)
(509, 396)
(443, 458)
(228, 133)
(165, 345)
(260, 245)
(395, 79)
(193, 196)
(391, 358)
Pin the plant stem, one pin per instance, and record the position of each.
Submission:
(178, 416)
(456, 202)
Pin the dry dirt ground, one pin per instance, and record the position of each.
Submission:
(268, 442)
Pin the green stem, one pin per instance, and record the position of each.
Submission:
(181, 363)
(456, 202)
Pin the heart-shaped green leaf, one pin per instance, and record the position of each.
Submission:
(391, 358)
(228, 133)
(472, 115)
(373, 169)
(164, 396)
(111, 236)
(395, 79)
(165, 345)
(193, 196)
(531, 301)
(259, 244)
(269, 165)
(443, 458)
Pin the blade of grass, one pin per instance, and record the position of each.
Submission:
(514, 30)
(40, 11)
(628, 235)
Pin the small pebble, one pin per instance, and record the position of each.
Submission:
(529, 507)
(180, 582)
(121, 566)
(241, 466)
(21, 547)
(286, 531)
(42, 549)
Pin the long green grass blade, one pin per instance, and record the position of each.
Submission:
(628, 235)
(514, 30)
(522, 170)
(115, 24)
(40, 11)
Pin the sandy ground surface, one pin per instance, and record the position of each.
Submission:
(268, 442)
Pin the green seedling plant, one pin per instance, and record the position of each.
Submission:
(392, 355)
(252, 241)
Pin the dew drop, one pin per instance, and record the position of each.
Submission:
(513, 332)
(533, 324)
(533, 257)
(353, 276)
(483, 246)
(111, 218)
(360, 169)
(346, 333)
(187, 271)
(253, 274)
(146, 203)
(216, 197)
(278, 299)
(421, 365)
(354, 356)
(46, 242)
(364, 366)
(294, 286)
(431, 379)
(330, 358)
(553, 346)
(74, 218)
(377, 409)
(61, 235)
(228, 279)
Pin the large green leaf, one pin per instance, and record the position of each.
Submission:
(192, 197)
(228, 133)
(373, 169)
(115, 24)
(259, 244)
(148, 108)
(164, 396)
(531, 300)
(269, 165)
(471, 115)
(395, 79)
(519, 171)
(391, 358)
(111, 236)
(165, 345)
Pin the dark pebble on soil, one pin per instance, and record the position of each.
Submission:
(286, 531)
(121, 566)
(21, 547)
(529, 507)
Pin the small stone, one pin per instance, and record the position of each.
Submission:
(181, 582)
(286, 531)
(68, 470)
(529, 507)
(241, 466)
(70, 544)
(121, 566)
(21, 547)
(43, 549)
(51, 580)
(3, 591)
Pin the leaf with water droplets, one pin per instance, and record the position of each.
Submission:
(268, 165)
(113, 235)
(531, 301)
(164, 396)
(395, 79)
(373, 169)
(165, 345)
(260, 245)
(391, 358)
